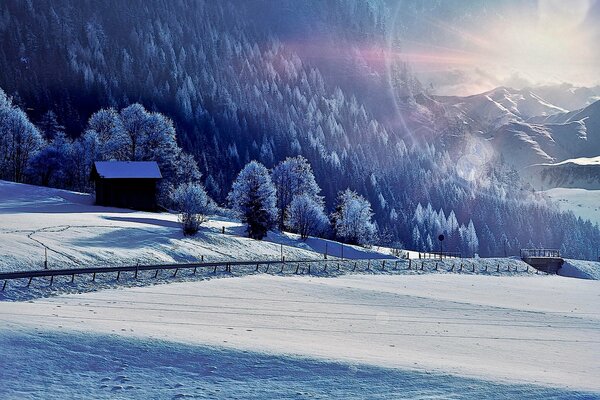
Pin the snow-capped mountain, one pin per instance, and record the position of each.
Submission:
(500, 106)
(543, 148)
(526, 129)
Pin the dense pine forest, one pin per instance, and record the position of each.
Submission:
(226, 87)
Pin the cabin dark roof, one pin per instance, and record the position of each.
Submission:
(127, 169)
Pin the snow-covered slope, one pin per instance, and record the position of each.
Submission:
(582, 202)
(528, 330)
(568, 96)
(77, 233)
(581, 269)
(500, 106)
(579, 173)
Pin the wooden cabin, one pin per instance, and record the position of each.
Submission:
(126, 184)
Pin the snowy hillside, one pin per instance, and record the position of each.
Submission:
(76, 233)
(492, 109)
(578, 173)
(582, 202)
(353, 337)
(581, 269)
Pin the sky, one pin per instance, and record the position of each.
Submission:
(466, 47)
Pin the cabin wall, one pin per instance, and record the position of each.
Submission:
(136, 194)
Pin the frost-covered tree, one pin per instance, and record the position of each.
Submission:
(106, 125)
(193, 205)
(293, 177)
(253, 197)
(471, 238)
(134, 118)
(52, 166)
(20, 140)
(85, 152)
(306, 216)
(134, 134)
(353, 218)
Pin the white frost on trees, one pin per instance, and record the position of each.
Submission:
(306, 216)
(353, 218)
(193, 205)
(294, 177)
(253, 198)
(20, 140)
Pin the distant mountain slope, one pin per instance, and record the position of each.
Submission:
(549, 139)
(581, 173)
(499, 106)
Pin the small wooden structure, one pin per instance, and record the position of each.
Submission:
(546, 260)
(126, 184)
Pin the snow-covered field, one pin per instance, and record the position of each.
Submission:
(354, 336)
(482, 331)
(583, 203)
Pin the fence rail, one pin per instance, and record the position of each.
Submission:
(550, 253)
(440, 255)
(325, 266)
(51, 273)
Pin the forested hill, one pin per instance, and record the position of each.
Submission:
(239, 88)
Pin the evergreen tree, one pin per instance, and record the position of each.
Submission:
(253, 199)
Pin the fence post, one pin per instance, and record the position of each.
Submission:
(452, 268)
(309, 268)
(51, 280)
(436, 266)
(215, 270)
(354, 269)
(29, 283)
(156, 273)
(136, 272)
(4, 286)
(473, 267)
(256, 270)
(94, 277)
(396, 265)
(383, 265)
(118, 274)
(297, 267)
(267, 270)
(409, 263)
(422, 265)
(175, 273)
(461, 267)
